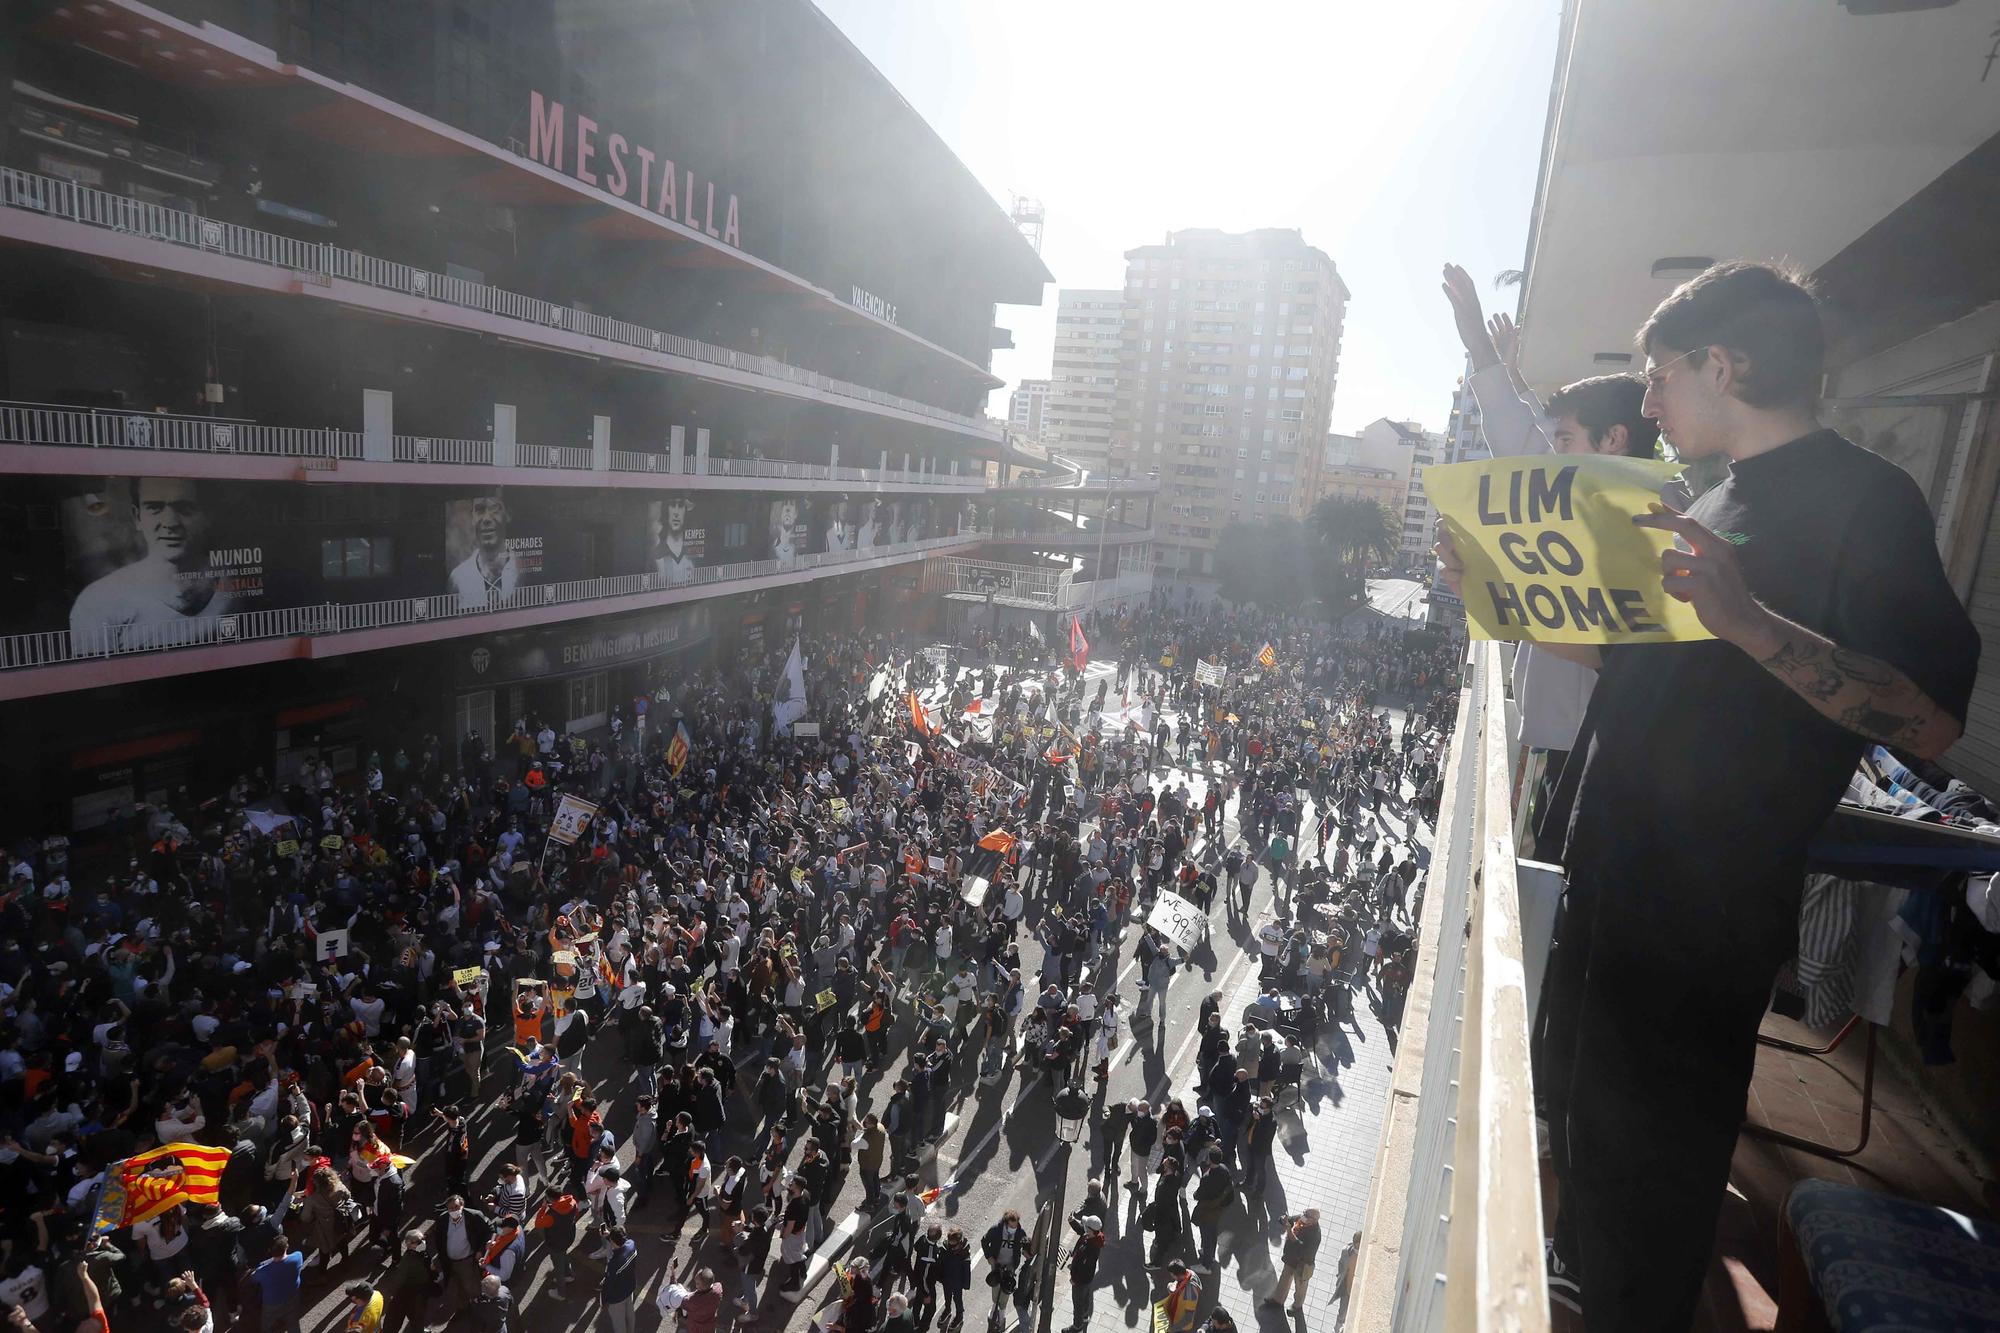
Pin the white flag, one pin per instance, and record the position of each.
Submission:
(1035, 630)
(573, 815)
(788, 705)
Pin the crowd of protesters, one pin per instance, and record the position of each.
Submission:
(378, 992)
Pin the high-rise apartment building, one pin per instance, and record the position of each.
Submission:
(1083, 386)
(1027, 408)
(1225, 382)
(1462, 438)
(1419, 515)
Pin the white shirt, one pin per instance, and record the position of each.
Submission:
(1553, 690)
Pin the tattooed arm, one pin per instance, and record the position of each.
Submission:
(1862, 693)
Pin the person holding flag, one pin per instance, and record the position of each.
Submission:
(679, 748)
(1079, 647)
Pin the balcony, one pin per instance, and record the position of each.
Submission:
(333, 453)
(173, 238)
(1454, 1228)
(52, 661)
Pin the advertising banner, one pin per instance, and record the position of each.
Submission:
(1551, 553)
(785, 530)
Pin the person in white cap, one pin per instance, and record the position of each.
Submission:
(1082, 1264)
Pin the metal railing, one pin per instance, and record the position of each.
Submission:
(1011, 585)
(1453, 1236)
(319, 262)
(111, 428)
(1127, 587)
(82, 643)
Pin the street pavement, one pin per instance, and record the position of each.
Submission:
(1003, 1147)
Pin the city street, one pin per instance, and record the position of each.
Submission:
(1004, 1147)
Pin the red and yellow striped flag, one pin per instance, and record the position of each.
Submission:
(140, 1188)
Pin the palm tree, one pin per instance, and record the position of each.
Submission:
(1355, 531)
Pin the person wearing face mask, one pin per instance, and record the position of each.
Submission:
(459, 1238)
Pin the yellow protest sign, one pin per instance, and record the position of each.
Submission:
(467, 976)
(1551, 553)
(331, 842)
(288, 847)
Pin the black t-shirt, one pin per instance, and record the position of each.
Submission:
(1701, 762)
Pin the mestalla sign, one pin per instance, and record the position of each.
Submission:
(578, 146)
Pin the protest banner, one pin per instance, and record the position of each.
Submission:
(824, 1001)
(467, 976)
(331, 842)
(288, 847)
(805, 729)
(1551, 553)
(1179, 920)
(572, 818)
(331, 944)
(1209, 673)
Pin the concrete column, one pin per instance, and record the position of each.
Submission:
(884, 465)
(676, 446)
(954, 467)
(503, 435)
(906, 462)
(833, 455)
(701, 450)
(378, 425)
(600, 444)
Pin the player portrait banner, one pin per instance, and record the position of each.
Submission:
(573, 816)
(140, 1188)
(1179, 920)
(680, 543)
(1551, 553)
(488, 557)
(1209, 673)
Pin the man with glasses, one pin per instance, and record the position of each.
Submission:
(1706, 768)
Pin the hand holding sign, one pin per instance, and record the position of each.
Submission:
(1545, 549)
(1702, 571)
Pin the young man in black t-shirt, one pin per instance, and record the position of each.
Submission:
(1705, 769)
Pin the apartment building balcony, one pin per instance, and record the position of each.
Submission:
(82, 657)
(45, 211)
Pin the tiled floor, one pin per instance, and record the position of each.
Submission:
(1908, 1154)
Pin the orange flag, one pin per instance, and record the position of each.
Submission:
(999, 840)
(917, 718)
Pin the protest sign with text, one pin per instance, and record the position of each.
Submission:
(1551, 553)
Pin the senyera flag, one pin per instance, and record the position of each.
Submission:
(678, 749)
(142, 1187)
(1268, 655)
(1079, 647)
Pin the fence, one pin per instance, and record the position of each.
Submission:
(54, 647)
(107, 428)
(319, 261)
(1453, 1237)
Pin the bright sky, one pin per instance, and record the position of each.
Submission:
(1395, 136)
